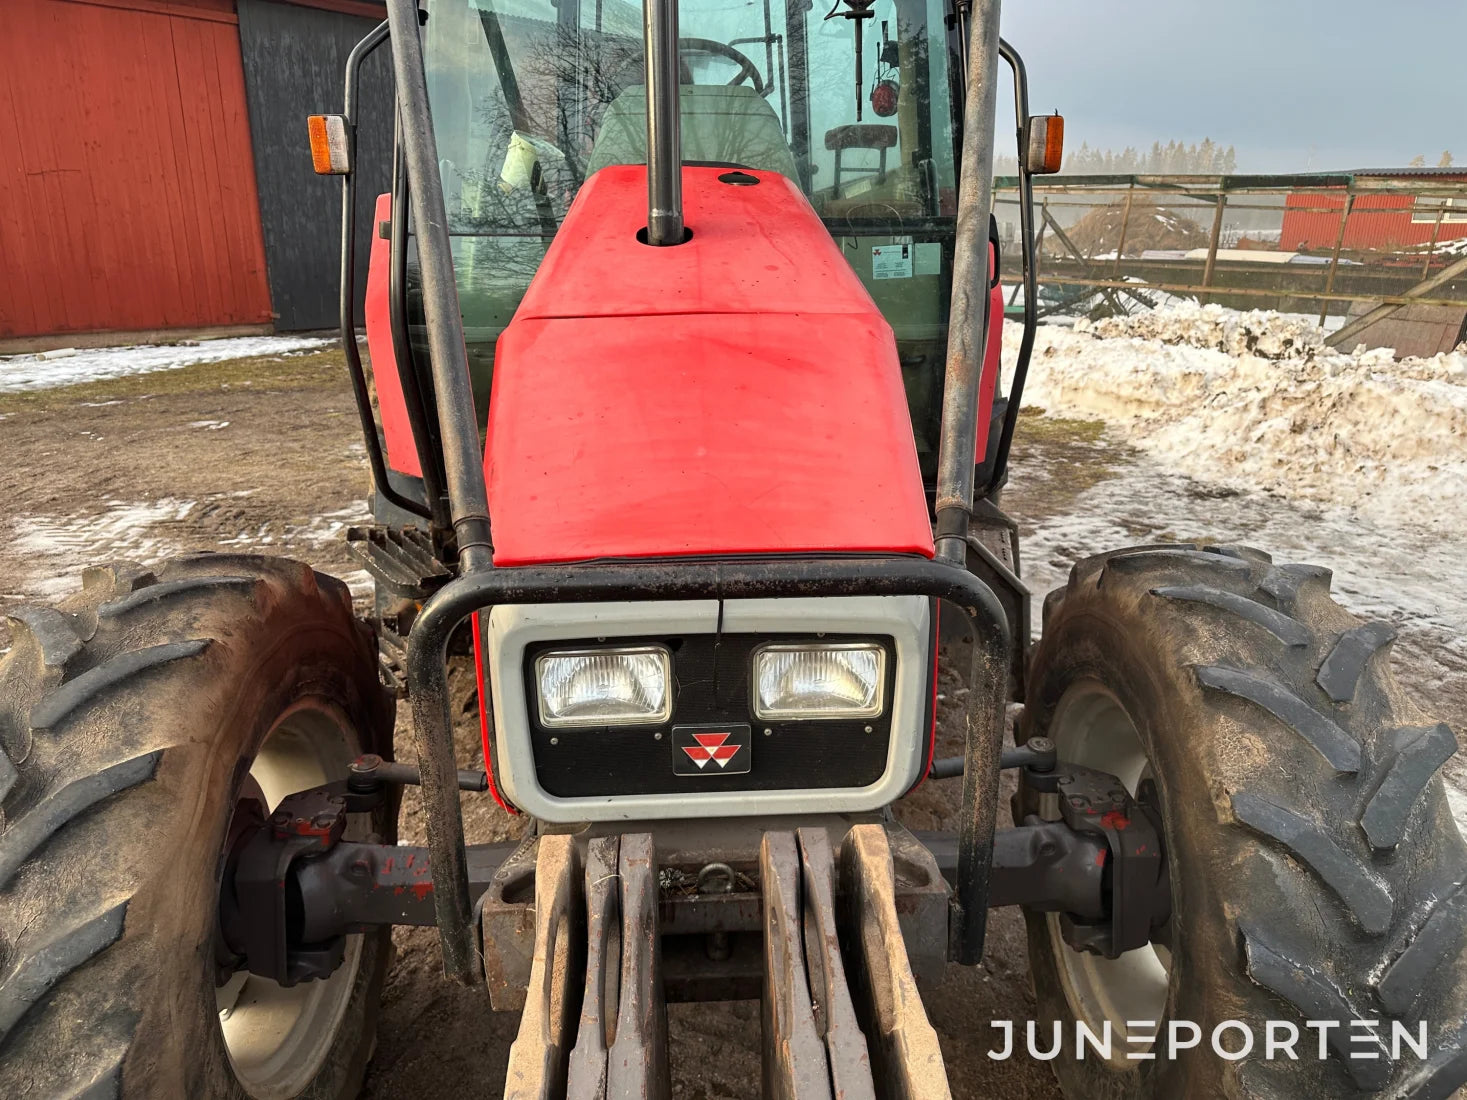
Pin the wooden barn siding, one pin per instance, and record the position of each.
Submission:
(295, 65)
(127, 190)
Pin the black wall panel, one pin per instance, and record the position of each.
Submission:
(295, 65)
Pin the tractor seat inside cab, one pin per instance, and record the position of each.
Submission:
(721, 124)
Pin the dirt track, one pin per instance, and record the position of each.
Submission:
(267, 455)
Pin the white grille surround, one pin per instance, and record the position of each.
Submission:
(511, 629)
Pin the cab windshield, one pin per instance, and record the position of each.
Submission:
(531, 97)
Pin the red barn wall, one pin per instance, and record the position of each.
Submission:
(127, 182)
(1312, 223)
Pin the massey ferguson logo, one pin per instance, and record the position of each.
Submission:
(710, 750)
(711, 746)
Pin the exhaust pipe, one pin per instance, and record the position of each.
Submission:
(664, 125)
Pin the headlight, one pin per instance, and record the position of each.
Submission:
(819, 681)
(604, 687)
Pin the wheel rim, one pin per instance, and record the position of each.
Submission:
(277, 1037)
(1092, 729)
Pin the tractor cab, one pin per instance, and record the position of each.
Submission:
(854, 107)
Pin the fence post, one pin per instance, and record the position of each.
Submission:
(1039, 237)
(1217, 220)
(1436, 231)
(1125, 223)
(1334, 263)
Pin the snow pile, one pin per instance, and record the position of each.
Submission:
(69, 366)
(1256, 332)
(1276, 411)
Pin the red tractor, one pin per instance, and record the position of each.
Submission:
(698, 306)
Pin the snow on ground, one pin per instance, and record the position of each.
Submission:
(1256, 401)
(62, 545)
(1380, 571)
(127, 529)
(1251, 431)
(1266, 334)
(316, 531)
(71, 365)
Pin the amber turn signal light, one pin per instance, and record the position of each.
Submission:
(330, 145)
(1046, 143)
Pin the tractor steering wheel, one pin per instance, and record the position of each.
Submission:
(891, 218)
(747, 70)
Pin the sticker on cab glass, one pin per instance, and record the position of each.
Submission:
(710, 750)
(928, 260)
(891, 261)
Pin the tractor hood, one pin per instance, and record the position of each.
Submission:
(736, 394)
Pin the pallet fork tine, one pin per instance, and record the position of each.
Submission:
(796, 1066)
(537, 1058)
(850, 1061)
(587, 1076)
(904, 1050)
(636, 1064)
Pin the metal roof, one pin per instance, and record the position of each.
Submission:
(1458, 171)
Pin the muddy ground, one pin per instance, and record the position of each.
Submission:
(267, 454)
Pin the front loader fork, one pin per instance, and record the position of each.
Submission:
(606, 1036)
(841, 1012)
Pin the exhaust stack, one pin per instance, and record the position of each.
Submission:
(664, 124)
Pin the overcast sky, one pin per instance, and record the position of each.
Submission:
(1293, 84)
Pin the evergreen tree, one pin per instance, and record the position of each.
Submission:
(1173, 158)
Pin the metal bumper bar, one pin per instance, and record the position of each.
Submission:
(691, 579)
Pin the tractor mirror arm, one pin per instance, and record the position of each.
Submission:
(347, 302)
(1027, 250)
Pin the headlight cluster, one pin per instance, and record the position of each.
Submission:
(605, 687)
(819, 681)
(632, 686)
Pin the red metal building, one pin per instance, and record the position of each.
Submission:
(1377, 221)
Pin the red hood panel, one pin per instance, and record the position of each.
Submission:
(738, 394)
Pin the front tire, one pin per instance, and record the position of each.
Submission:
(1316, 871)
(133, 716)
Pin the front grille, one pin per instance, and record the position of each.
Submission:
(711, 687)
